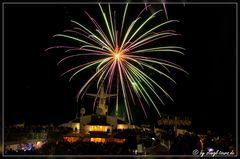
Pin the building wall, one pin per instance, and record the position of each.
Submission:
(112, 121)
(102, 128)
(122, 126)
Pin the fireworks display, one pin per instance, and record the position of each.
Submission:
(124, 54)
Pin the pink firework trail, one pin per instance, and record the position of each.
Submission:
(123, 54)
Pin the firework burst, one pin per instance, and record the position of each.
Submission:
(123, 54)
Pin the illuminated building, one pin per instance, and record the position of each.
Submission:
(96, 127)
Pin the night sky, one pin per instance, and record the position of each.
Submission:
(35, 93)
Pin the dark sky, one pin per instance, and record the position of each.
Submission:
(34, 92)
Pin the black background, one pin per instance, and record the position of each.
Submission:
(35, 93)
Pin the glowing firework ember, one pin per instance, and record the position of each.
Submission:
(124, 53)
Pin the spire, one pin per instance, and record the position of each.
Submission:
(102, 95)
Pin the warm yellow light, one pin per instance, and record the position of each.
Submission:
(117, 56)
(103, 140)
